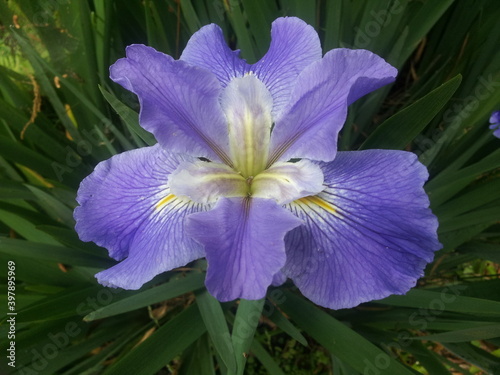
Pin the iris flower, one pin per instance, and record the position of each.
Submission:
(246, 173)
(495, 123)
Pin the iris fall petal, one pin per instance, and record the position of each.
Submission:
(243, 241)
(126, 206)
(369, 234)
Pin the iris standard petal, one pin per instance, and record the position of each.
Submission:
(126, 207)
(208, 49)
(243, 240)
(318, 105)
(247, 104)
(294, 45)
(368, 235)
(179, 102)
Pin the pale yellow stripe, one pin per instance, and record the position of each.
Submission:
(165, 201)
(317, 201)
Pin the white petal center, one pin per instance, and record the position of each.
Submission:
(247, 104)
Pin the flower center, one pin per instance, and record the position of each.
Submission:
(284, 182)
(247, 104)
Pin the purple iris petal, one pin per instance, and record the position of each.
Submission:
(495, 123)
(126, 207)
(179, 102)
(318, 105)
(368, 235)
(279, 279)
(496, 127)
(243, 240)
(208, 49)
(495, 117)
(294, 45)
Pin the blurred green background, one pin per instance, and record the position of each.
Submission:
(60, 115)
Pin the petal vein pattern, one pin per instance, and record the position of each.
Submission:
(294, 45)
(369, 234)
(179, 102)
(126, 206)
(243, 241)
(318, 105)
(207, 49)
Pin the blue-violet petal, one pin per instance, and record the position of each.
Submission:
(368, 235)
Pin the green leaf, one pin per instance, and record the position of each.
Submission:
(54, 253)
(215, 321)
(159, 349)
(70, 353)
(243, 36)
(129, 117)
(47, 87)
(341, 368)
(479, 195)
(446, 185)
(20, 154)
(421, 22)
(449, 299)
(476, 356)
(399, 130)
(53, 207)
(39, 133)
(76, 19)
(69, 238)
(488, 215)
(451, 240)
(171, 289)
(14, 190)
(429, 359)
(265, 358)
(484, 289)
(481, 250)
(25, 228)
(95, 363)
(190, 16)
(88, 103)
(198, 359)
(245, 323)
(340, 339)
(260, 15)
(70, 302)
(40, 273)
(279, 319)
(465, 335)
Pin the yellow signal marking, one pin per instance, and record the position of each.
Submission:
(315, 200)
(165, 200)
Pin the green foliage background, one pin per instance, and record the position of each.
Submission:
(60, 115)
